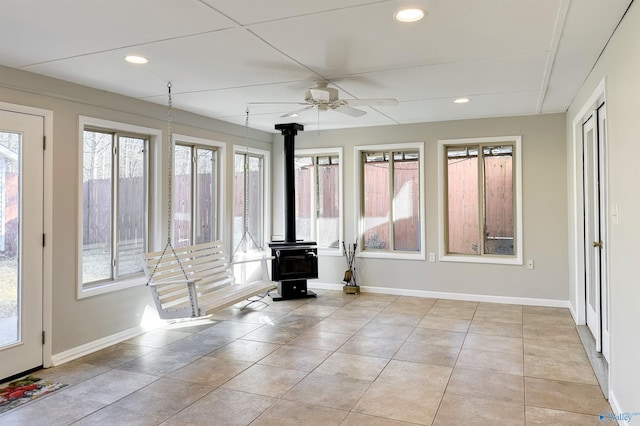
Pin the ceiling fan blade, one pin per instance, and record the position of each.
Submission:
(353, 112)
(296, 112)
(276, 103)
(370, 102)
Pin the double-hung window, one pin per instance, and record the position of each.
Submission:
(481, 200)
(391, 200)
(115, 165)
(250, 200)
(318, 183)
(195, 192)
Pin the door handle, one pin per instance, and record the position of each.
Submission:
(597, 244)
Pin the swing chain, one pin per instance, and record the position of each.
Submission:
(170, 167)
(246, 235)
(169, 196)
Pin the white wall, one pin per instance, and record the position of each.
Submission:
(80, 322)
(544, 204)
(619, 66)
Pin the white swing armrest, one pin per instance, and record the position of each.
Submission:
(263, 265)
(252, 259)
(188, 281)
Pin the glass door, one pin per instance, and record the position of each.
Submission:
(593, 240)
(21, 242)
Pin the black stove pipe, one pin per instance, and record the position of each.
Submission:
(289, 131)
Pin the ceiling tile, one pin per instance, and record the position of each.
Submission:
(500, 75)
(42, 31)
(369, 39)
(202, 62)
(495, 105)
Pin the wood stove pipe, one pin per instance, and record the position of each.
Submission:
(289, 131)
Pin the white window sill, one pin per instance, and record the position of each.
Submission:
(391, 255)
(489, 260)
(111, 286)
(330, 252)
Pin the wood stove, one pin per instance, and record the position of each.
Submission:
(294, 262)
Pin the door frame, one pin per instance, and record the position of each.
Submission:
(576, 198)
(47, 255)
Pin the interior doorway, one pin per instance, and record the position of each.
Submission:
(21, 241)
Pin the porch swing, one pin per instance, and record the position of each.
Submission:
(197, 280)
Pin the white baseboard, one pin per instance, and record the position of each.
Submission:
(573, 313)
(554, 303)
(96, 345)
(615, 407)
(624, 418)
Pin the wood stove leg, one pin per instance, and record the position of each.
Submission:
(292, 289)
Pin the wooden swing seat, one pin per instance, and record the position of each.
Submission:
(198, 280)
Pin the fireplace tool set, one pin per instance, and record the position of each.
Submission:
(351, 286)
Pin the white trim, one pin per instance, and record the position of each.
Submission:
(96, 345)
(111, 286)
(47, 255)
(486, 259)
(554, 303)
(155, 143)
(324, 251)
(221, 189)
(385, 254)
(266, 184)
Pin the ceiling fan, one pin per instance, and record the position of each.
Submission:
(325, 98)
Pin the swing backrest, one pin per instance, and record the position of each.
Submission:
(168, 272)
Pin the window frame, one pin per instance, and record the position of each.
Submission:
(219, 147)
(444, 256)
(266, 197)
(323, 152)
(359, 200)
(154, 138)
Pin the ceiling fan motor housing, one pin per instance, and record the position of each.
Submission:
(321, 94)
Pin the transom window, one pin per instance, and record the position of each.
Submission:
(481, 199)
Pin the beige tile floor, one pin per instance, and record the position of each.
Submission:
(367, 359)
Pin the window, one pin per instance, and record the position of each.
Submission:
(481, 200)
(391, 207)
(115, 206)
(195, 193)
(318, 183)
(249, 200)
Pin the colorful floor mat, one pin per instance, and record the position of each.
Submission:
(25, 389)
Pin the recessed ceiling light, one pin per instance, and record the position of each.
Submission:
(134, 59)
(462, 100)
(409, 15)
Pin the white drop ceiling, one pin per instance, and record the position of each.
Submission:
(510, 57)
